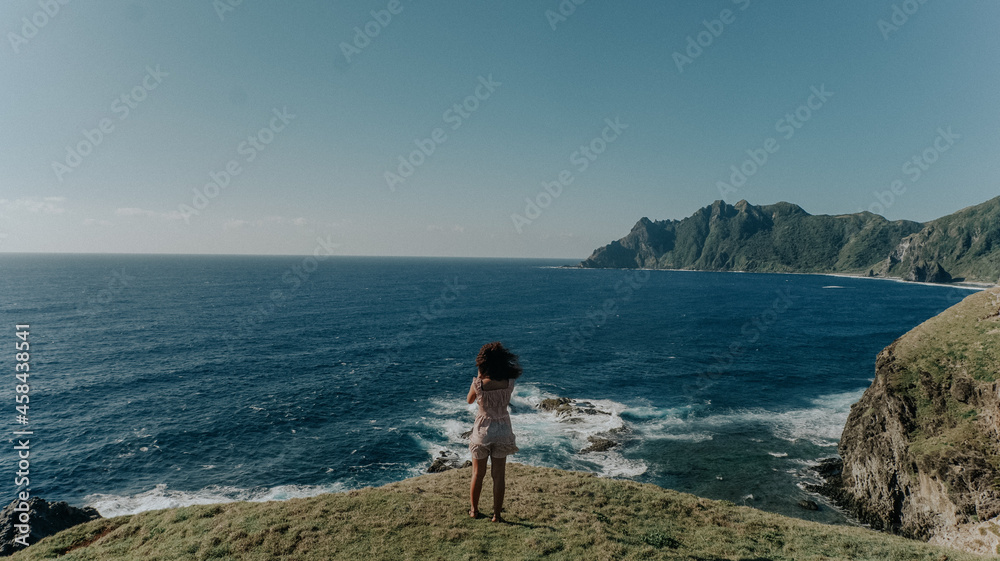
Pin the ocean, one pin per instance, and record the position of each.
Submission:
(160, 380)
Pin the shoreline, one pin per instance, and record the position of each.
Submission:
(963, 285)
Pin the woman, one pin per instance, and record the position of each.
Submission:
(492, 436)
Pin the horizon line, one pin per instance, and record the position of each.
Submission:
(111, 253)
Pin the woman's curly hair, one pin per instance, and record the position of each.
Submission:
(497, 363)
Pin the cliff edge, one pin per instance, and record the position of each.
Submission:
(551, 514)
(921, 448)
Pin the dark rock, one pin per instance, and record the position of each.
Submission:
(447, 461)
(808, 505)
(599, 444)
(928, 272)
(467, 434)
(439, 465)
(830, 471)
(558, 405)
(961, 389)
(45, 519)
(829, 467)
(593, 411)
(564, 406)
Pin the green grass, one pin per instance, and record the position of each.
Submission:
(963, 342)
(552, 514)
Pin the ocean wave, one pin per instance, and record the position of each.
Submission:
(548, 438)
(561, 438)
(160, 497)
(821, 424)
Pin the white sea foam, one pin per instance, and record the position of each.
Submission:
(557, 439)
(544, 437)
(821, 424)
(160, 497)
(670, 423)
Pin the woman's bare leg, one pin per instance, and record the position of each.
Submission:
(497, 472)
(476, 487)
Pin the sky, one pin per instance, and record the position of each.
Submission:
(540, 128)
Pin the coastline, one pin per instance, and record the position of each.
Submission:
(962, 285)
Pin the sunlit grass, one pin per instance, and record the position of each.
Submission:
(552, 514)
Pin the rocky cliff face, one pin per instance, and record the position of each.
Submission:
(921, 449)
(784, 238)
(966, 244)
(44, 519)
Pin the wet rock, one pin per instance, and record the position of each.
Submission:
(558, 405)
(467, 434)
(599, 444)
(439, 465)
(587, 408)
(45, 519)
(566, 408)
(447, 461)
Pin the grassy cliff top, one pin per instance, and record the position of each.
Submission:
(963, 340)
(552, 514)
(947, 367)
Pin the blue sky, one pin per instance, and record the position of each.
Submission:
(309, 118)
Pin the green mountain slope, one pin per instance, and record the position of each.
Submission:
(784, 238)
(966, 244)
(552, 514)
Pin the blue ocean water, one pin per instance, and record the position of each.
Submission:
(160, 381)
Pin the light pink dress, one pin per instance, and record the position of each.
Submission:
(492, 434)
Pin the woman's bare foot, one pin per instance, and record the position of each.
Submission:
(473, 513)
(496, 517)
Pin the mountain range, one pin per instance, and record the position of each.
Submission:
(784, 238)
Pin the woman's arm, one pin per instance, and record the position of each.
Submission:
(472, 393)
